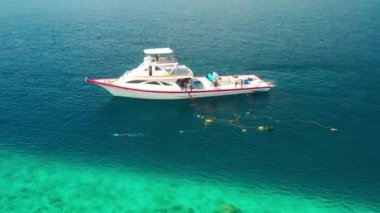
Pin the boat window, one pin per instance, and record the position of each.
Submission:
(198, 85)
(153, 82)
(157, 68)
(134, 82)
(168, 69)
(181, 70)
(166, 84)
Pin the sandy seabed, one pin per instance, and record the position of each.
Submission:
(38, 184)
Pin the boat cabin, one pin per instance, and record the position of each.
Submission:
(159, 67)
(160, 56)
(160, 62)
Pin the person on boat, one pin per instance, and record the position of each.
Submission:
(190, 85)
(184, 83)
(156, 57)
(216, 83)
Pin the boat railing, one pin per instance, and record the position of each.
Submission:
(110, 81)
(164, 60)
(160, 59)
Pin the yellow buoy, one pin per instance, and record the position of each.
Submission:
(333, 129)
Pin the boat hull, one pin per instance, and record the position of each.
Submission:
(173, 95)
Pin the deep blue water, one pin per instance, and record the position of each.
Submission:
(322, 56)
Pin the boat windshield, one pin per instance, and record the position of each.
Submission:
(181, 70)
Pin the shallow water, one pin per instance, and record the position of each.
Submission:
(46, 185)
(58, 133)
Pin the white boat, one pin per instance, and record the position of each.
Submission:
(160, 76)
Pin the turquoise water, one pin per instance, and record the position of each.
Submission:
(58, 149)
(45, 185)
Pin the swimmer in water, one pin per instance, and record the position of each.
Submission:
(128, 134)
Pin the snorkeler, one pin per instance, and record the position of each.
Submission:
(263, 128)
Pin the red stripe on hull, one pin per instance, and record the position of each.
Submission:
(94, 81)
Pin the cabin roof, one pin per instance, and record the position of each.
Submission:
(158, 51)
